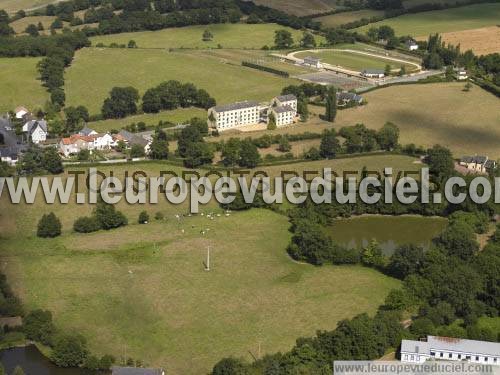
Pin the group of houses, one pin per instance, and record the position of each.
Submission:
(478, 163)
(450, 349)
(236, 115)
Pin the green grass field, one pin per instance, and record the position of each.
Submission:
(441, 21)
(335, 20)
(466, 122)
(19, 84)
(300, 7)
(141, 291)
(176, 116)
(13, 6)
(95, 72)
(354, 61)
(227, 35)
(20, 25)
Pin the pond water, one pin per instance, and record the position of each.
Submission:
(389, 231)
(34, 363)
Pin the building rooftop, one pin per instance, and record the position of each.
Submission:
(349, 96)
(135, 371)
(86, 131)
(373, 71)
(283, 109)
(236, 106)
(286, 98)
(452, 344)
(33, 124)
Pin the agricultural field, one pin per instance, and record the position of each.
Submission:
(176, 116)
(443, 21)
(95, 72)
(227, 35)
(335, 20)
(465, 122)
(19, 78)
(355, 61)
(152, 277)
(21, 24)
(481, 41)
(12, 6)
(300, 7)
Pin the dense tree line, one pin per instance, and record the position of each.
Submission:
(173, 94)
(266, 69)
(191, 145)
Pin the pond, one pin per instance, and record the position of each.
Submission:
(34, 363)
(389, 231)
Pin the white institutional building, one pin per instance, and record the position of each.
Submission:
(450, 349)
(237, 115)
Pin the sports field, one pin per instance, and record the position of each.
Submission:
(95, 72)
(335, 20)
(19, 84)
(142, 292)
(354, 61)
(227, 35)
(442, 21)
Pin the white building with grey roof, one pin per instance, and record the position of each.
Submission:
(235, 115)
(450, 349)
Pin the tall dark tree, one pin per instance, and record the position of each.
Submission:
(249, 154)
(121, 102)
(331, 104)
(283, 39)
(440, 161)
(330, 145)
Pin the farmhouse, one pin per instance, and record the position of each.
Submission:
(373, 73)
(21, 112)
(36, 130)
(115, 370)
(142, 139)
(345, 99)
(312, 62)
(87, 131)
(480, 164)
(230, 116)
(77, 142)
(411, 45)
(461, 74)
(450, 349)
(8, 157)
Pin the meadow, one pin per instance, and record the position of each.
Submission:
(335, 20)
(19, 78)
(300, 7)
(141, 291)
(13, 6)
(238, 35)
(21, 24)
(354, 61)
(176, 116)
(442, 21)
(95, 72)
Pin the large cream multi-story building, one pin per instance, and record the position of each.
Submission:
(236, 115)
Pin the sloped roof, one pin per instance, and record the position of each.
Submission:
(286, 98)
(235, 106)
(283, 109)
(86, 131)
(33, 124)
(463, 345)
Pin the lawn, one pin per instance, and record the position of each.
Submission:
(141, 291)
(335, 20)
(96, 71)
(227, 35)
(19, 84)
(20, 25)
(466, 122)
(442, 21)
(177, 116)
(354, 61)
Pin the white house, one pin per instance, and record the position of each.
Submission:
(230, 116)
(411, 45)
(21, 112)
(74, 144)
(36, 130)
(8, 157)
(450, 349)
(312, 62)
(285, 100)
(373, 73)
(461, 74)
(101, 141)
(478, 163)
(284, 115)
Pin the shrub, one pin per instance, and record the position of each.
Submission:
(86, 224)
(69, 351)
(49, 226)
(143, 217)
(159, 216)
(107, 216)
(38, 326)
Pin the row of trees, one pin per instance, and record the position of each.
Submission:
(122, 101)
